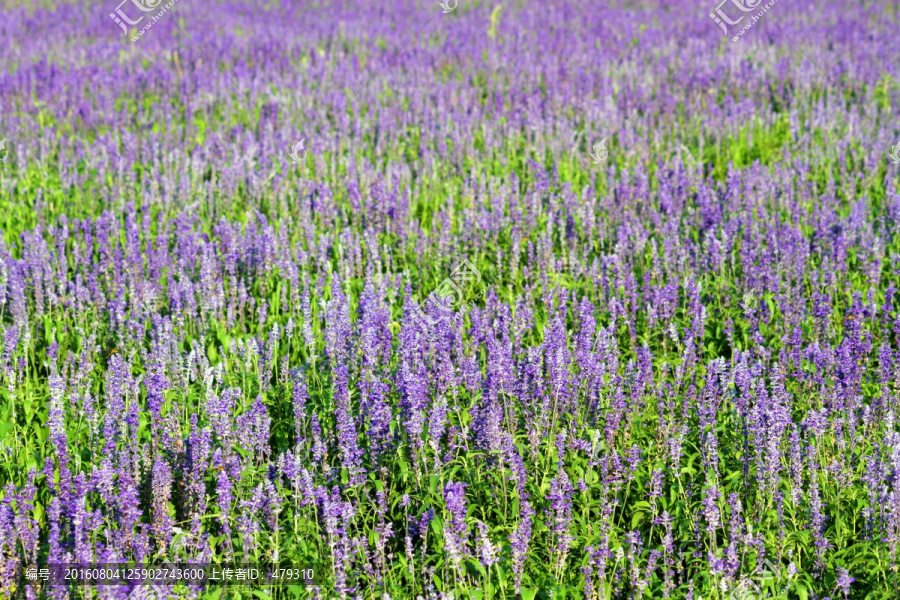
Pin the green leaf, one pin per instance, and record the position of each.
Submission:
(41, 432)
(636, 518)
(437, 525)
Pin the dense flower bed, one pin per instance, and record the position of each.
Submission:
(464, 300)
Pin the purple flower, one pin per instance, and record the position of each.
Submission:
(560, 498)
(162, 493)
(485, 549)
(519, 540)
(844, 580)
(456, 532)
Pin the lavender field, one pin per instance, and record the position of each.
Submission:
(462, 300)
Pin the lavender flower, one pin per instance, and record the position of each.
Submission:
(456, 532)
